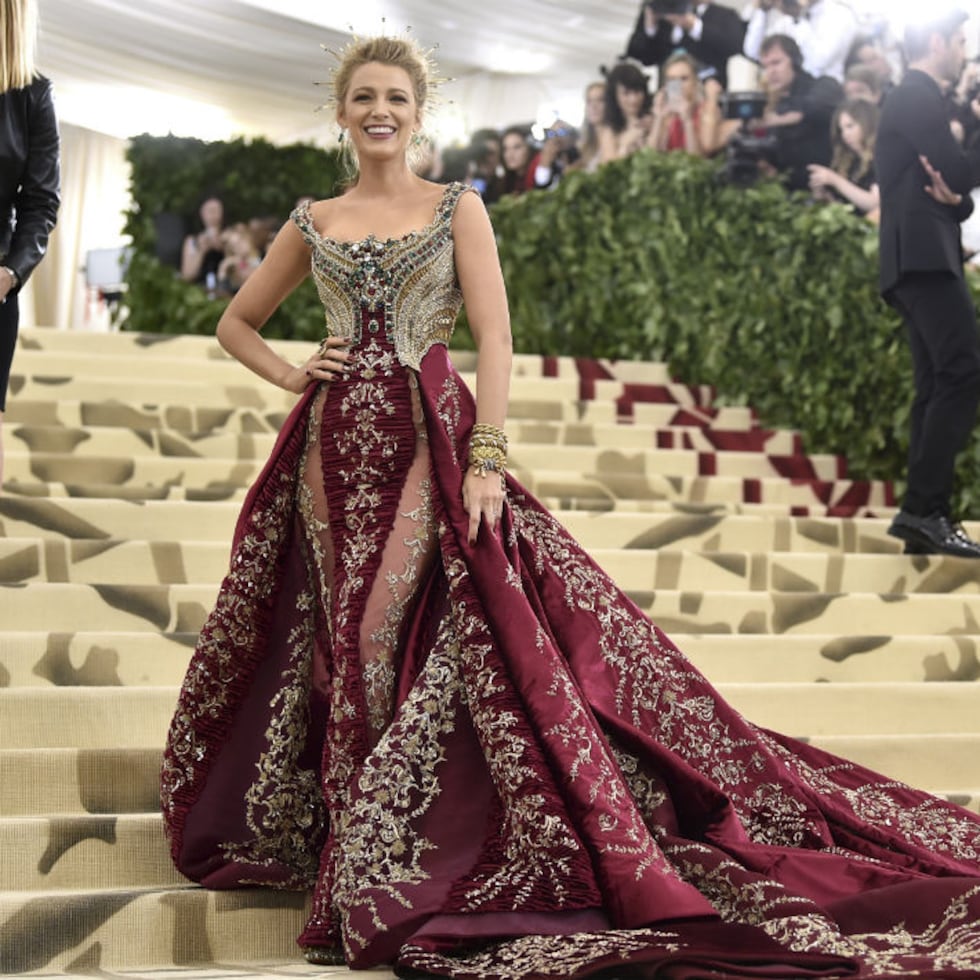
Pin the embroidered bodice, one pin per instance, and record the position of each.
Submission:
(404, 287)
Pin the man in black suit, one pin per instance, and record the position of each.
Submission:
(709, 32)
(925, 180)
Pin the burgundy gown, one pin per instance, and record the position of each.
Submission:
(484, 759)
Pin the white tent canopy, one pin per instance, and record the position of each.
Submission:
(216, 68)
(219, 68)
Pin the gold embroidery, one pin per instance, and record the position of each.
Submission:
(381, 850)
(231, 627)
(284, 806)
(544, 956)
(410, 282)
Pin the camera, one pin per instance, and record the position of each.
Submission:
(746, 149)
(743, 105)
(663, 8)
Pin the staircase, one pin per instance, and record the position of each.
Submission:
(127, 457)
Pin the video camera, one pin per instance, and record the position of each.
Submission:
(746, 149)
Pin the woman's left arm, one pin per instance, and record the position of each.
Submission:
(485, 298)
(39, 196)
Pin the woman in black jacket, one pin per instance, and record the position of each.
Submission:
(29, 171)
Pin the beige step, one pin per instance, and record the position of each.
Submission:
(94, 659)
(592, 500)
(894, 574)
(86, 717)
(241, 390)
(171, 562)
(691, 527)
(138, 717)
(811, 711)
(133, 658)
(832, 658)
(93, 350)
(215, 414)
(95, 930)
(36, 780)
(62, 852)
(259, 970)
(67, 607)
(936, 762)
(642, 473)
(222, 443)
(818, 612)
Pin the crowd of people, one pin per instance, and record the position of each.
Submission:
(822, 83)
(221, 257)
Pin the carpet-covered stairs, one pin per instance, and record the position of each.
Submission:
(127, 458)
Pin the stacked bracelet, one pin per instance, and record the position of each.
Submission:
(488, 449)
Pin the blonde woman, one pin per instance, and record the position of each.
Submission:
(29, 172)
(588, 142)
(683, 118)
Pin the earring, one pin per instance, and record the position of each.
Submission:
(417, 138)
(341, 136)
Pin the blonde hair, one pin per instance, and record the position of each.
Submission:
(398, 52)
(18, 36)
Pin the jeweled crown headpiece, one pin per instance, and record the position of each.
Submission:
(404, 51)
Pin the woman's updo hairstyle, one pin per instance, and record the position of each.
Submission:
(399, 52)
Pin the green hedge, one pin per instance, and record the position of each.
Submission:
(769, 299)
(253, 179)
(772, 300)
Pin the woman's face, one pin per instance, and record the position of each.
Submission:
(595, 99)
(630, 101)
(212, 213)
(851, 134)
(379, 110)
(516, 152)
(682, 73)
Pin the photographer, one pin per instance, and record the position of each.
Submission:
(823, 29)
(800, 111)
(709, 32)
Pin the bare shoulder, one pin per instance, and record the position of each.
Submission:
(470, 211)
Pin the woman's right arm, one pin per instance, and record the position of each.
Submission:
(191, 258)
(285, 266)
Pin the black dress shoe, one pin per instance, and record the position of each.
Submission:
(935, 534)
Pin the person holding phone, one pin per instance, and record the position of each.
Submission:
(683, 118)
(710, 32)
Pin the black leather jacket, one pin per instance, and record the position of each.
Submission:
(29, 175)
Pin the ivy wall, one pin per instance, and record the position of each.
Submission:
(770, 299)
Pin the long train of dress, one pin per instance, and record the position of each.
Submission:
(484, 759)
